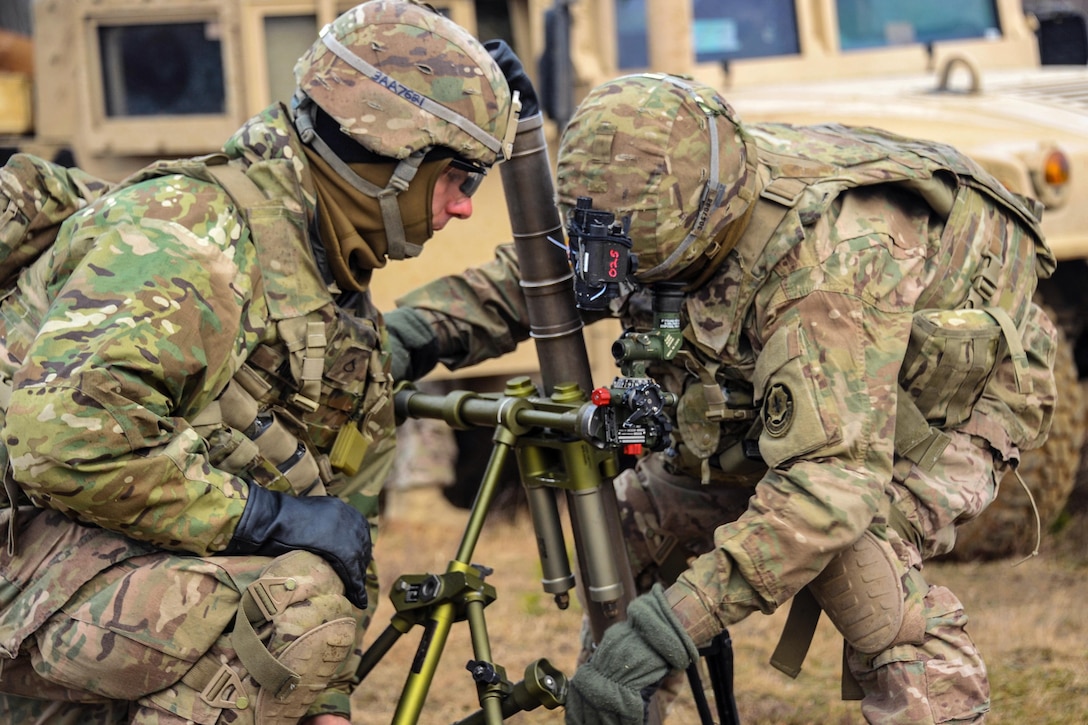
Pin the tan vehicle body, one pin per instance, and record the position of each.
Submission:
(989, 96)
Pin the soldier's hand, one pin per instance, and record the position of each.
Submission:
(275, 523)
(412, 344)
(515, 74)
(615, 686)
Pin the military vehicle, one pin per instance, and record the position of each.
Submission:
(118, 82)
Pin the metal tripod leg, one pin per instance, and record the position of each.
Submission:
(719, 662)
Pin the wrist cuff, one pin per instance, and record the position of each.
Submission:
(689, 611)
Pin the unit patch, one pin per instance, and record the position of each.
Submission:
(778, 410)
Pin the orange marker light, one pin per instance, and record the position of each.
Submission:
(1056, 169)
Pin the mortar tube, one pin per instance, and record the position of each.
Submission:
(556, 326)
(546, 277)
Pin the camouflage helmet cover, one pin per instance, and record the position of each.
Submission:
(400, 78)
(669, 155)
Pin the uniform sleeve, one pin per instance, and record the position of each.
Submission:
(477, 315)
(834, 329)
(36, 196)
(152, 310)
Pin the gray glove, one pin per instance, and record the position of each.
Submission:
(615, 686)
(412, 344)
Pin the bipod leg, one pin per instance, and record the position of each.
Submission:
(385, 641)
(436, 601)
(490, 678)
(718, 656)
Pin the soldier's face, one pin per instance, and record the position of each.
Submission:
(452, 196)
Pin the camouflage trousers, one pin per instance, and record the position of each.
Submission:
(97, 629)
(668, 519)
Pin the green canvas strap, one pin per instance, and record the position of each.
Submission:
(915, 439)
(219, 684)
(265, 669)
(796, 638)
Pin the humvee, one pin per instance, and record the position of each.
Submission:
(116, 83)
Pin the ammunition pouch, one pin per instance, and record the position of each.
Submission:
(255, 444)
(261, 432)
(951, 356)
(954, 357)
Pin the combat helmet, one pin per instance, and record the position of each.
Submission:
(403, 82)
(668, 158)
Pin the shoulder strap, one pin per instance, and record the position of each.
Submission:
(304, 335)
(239, 186)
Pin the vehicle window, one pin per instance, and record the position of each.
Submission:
(879, 23)
(722, 30)
(162, 69)
(286, 38)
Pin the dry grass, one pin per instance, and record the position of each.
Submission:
(1030, 622)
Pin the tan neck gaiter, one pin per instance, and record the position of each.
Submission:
(350, 222)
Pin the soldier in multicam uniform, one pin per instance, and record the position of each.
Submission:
(194, 376)
(861, 364)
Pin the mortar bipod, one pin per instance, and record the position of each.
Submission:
(435, 602)
(563, 443)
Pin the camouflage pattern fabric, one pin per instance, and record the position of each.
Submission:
(812, 316)
(671, 521)
(36, 196)
(32, 711)
(434, 82)
(151, 301)
(128, 633)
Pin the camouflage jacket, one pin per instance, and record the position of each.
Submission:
(810, 321)
(150, 302)
(118, 342)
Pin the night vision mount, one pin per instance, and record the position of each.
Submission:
(633, 407)
(600, 255)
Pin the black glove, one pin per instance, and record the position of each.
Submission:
(412, 344)
(515, 75)
(275, 523)
(615, 686)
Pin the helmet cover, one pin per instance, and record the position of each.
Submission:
(669, 157)
(401, 78)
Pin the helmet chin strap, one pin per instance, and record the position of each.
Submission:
(398, 246)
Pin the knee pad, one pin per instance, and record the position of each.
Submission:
(293, 630)
(863, 593)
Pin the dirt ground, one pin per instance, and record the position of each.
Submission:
(1030, 621)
